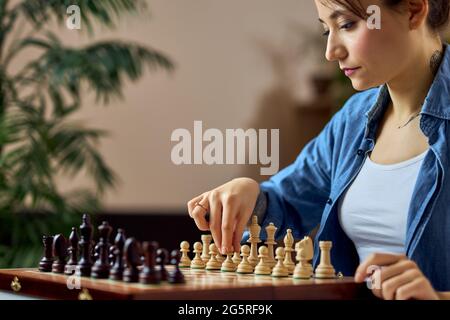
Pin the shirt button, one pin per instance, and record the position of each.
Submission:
(360, 152)
(329, 201)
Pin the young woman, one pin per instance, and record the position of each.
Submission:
(377, 178)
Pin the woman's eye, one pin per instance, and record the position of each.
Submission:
(347, 25)
(326, 33)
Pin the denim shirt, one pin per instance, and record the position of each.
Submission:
(306, 193)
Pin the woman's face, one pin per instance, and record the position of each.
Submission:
(379, 54)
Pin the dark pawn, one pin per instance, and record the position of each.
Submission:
(60, 252)
(118, 267)
(176, 276)
(149, 274)
(85, 263)
(45, 265)
(73, 253)
(162, 257)
(101, 268)
(132, 257)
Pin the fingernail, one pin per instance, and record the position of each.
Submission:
(224, 250)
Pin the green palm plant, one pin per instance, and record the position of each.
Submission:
(38, 140)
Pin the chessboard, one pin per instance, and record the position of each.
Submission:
(81, 268)
(199, 285)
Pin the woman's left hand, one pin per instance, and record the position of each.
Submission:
(395, 277)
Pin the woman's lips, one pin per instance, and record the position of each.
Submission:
(350, 71)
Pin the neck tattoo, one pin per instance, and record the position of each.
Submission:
(435, 61)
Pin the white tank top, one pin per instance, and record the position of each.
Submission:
(373, 211)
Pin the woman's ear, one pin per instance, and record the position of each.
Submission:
(417, 12)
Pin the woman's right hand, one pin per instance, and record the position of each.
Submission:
(230, 206)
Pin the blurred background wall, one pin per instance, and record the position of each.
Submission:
(239, 64)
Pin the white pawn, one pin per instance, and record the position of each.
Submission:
(185, 261)
(245, 266)
(236, 258)
(263, 268)
(280, 270)
(288, 243)
(197, 262)
(213, 263)
(228, 265)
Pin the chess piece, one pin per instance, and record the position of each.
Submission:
(176, 276)
(254, 231)
(325, 270)
(185, 261)
(101, 267)
(117, 269)
(60, 252)
(73, 253)
(228, 265)
(206, 241)
(270, 231)
(149, 274)
(280, 269)
(213, 263)
(85, 263)
(197, 262)
(45, 265)
(132, 257)
(161, 260)
(288, 243)
(305, 252)
(263, 268)
(245, 266)
(220, 257)
(236, 258)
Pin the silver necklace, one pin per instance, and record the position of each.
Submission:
(410, 119)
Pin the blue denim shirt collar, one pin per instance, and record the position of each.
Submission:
(436, 103)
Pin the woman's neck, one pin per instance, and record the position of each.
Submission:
(408, 91)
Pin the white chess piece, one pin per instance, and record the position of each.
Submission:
(288, 243)
(206, 241)
(197, 262)
(228, 265)
(236, 258)
(263, 268)
(213, 263)
(245, 266)
(254, 231)
(185, 261)
(325, 269)
(280, 269)
(270, 231)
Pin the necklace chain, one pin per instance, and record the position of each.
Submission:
(410, 119)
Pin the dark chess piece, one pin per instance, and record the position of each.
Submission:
(162, 257)
(60, 252)
(118, 266)
(176, 276)
(73, 253)
(101, 268)
(45, 265)
(132, 257)
(85, 263)
(112, 255)
(149, 274)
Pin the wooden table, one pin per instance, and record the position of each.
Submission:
(200, 285)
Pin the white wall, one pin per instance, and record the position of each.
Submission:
(234, 59)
